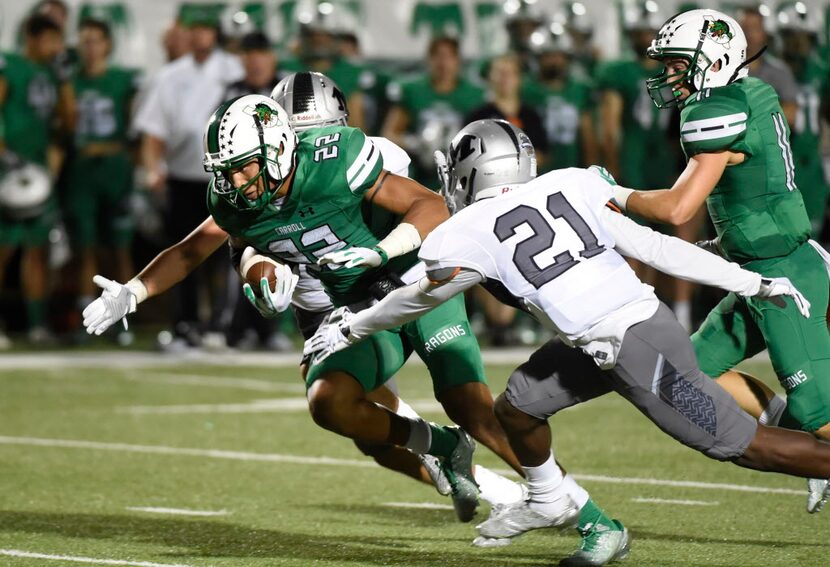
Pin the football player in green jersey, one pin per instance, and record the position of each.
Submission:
(33, 103)
(428, 109)
(299, 199)
(740, 164)
(799, 29)
(99, 176)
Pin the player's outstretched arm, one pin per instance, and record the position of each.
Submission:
(163, 272)
(421, 211)
(684, 260)
(401, 306)
(680, 203)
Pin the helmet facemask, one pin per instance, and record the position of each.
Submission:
(662, 88)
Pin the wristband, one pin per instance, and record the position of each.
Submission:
(621, 195)
(138, 289)
(400, 240)
(384, 257)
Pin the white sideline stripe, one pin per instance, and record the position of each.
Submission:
(296, 459)
(255, 406)
(678, 502)
(276, 405)
(218, 382)
(184, 451)
(418, 505)
(89, 560)
(128, 361)
(177, 511)
(688, 484)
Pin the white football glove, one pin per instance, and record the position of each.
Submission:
(355, 258)
(331, 336)
(773, 287)
(116, 302)
(271, 303)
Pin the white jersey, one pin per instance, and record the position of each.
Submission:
(545, 245)
(309, 293)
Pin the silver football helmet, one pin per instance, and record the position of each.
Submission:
(25, 188)
(311, 100)
(486, 157)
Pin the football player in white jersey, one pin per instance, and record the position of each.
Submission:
(552, 247)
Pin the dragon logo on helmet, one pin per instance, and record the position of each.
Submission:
(719, 32)
(267, 117)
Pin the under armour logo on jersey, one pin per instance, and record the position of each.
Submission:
(307, 211)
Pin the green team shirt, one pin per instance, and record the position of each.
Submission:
(756, 207)
(27, 114)
(103, 105)
(322, 212)
(561, 109)
(644, 128)
(806, 138)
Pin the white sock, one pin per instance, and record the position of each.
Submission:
(773, 412)
(405, 410)
(420, 436)
(683, 313)
(495, 488)
(579, 495)
(544, 485)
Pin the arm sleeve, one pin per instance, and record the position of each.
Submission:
(363, 164)
(708, 127)
(677, 257)
(408, 303)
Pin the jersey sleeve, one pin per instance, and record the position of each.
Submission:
(445, 250)
(363, 162)
(713, 125)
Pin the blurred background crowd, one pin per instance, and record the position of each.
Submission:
(103, 105)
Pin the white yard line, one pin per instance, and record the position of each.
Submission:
(88, 560)
(177, 511)
(677, 502)
(299, 460)
(218, 382)
(418, 505)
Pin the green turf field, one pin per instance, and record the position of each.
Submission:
(82, 449)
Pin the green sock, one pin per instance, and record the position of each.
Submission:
(591, 514)
(36, 312)
(444, 441)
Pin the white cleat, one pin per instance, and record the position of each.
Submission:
(436, 474)
(488, 542)
(515, 519)
(818, 491)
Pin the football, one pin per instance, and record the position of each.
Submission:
(253, 266)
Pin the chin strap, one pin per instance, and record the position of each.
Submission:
(745, 63)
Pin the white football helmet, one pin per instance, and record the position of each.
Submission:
(798, 17)
(243, 129)
(311, 100)
(702, 37)
(485, 158)
(24, 189)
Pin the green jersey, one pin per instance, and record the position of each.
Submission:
(322, 212)
(28, 111)
(644, 128)
(103, 105)
(806, 139)
(756, 208)
(561, 110)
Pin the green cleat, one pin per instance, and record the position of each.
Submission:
(601, 544)
(459, 471)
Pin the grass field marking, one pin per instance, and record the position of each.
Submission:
(184, 451)
(254, 406)
(177, 511)
(88, 560)
(217, 382)
(296, 459)
(678, 502)
(419, 505)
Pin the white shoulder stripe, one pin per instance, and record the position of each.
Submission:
(360, 159)
(717, 121)
(721, 132)
(367, 169)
